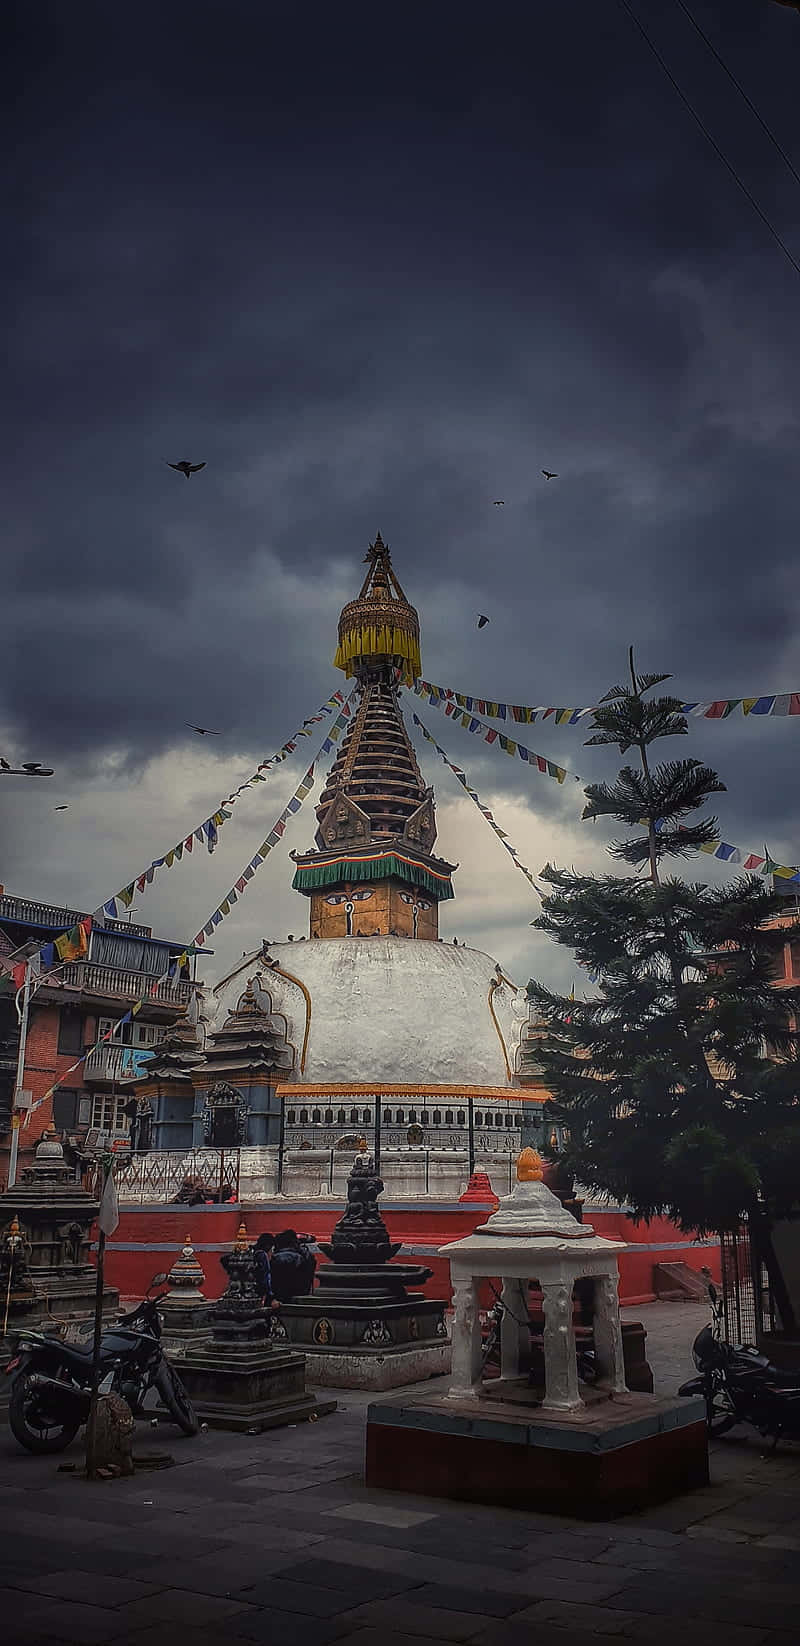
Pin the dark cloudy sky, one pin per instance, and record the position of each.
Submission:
(377, 267)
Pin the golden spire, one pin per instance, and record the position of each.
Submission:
(379, 629)
(241, 1243)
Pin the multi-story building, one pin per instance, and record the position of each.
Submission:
(74, 1005)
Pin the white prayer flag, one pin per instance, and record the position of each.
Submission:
(109, 1206)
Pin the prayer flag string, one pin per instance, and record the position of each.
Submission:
(490, 734)
(484, 810)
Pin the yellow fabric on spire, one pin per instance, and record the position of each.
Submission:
(382, 640)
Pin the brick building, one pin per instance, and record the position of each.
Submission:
(76, 1003)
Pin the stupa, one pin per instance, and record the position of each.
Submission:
(387, 1030)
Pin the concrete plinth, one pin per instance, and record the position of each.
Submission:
(249, 1387)
(609, 1458)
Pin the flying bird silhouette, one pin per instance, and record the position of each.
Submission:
(4, 765)
(205, 731)
(482, 622)
(61, 808)
(499, 502)
(184, 467)
(548, 474)
(35, 766)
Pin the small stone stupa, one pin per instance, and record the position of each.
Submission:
(240, 1379)
(362, 1328)
(184, 1310)
(55, 1216)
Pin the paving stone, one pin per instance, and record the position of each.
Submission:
(179, 1606)
(273, 1628)
(306, 1598)
(566, 1614)
(381, 1557)
(65, 1620)
(231, 1575)
(93, 1588)
(409, 1618)
(354, 1580)
(386, 1637)
(486, 1602)
(384, 1516)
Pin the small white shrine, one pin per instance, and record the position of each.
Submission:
(531, 1238)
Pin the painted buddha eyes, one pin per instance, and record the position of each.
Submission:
(421, 902)
(342, 897)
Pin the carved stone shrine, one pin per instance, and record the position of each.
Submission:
(362, 1328)
(241, 1379)
(566, 1447)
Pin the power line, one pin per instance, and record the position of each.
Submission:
(706, 133)
(742, 93)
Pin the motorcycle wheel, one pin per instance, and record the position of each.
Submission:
(176, 1400)
(30, 1423)
(719, 1415)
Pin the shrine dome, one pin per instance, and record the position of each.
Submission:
(385, 1010)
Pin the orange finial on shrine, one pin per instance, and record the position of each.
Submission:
(530, 1167)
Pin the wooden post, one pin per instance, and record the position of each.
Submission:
(91, 1427)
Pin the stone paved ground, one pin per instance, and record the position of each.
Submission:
(275, 1539)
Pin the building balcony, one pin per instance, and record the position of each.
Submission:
(112, 1063)
(25, 911)
(113, 983)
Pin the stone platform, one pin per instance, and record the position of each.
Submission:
(246, 1390)
(611, 1457)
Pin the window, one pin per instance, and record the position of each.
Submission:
(108, 1113)
(70, 1030)
(304, 1117)
(437, 1117)
(387, 1117)
(412, 1115)
(329, 1117)
(448, 1117)
(341, 1117)
(354, 1117)
(290, 1116)
(461, 1119)
(400, 1117)
(478, 1118)
(316, 1117)
(366, 1116)
(509, 1121)
(65, 1109)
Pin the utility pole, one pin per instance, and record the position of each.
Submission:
(16, 1114)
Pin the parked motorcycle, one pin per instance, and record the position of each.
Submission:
(51, 1391)
(740, 1385)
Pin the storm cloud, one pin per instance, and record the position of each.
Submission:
(377, 272)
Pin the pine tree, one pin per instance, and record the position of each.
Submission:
(678, 1082)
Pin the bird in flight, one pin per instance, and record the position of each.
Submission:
(61, 808)
(499, 502)
(185, 468)
(205, 731)
(4, 765)
(482, 622)
(36, 768)
(548, 474)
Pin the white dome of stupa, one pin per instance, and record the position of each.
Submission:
(385, 1009)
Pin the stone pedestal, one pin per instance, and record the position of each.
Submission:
(240, 1379)
(362, 1328)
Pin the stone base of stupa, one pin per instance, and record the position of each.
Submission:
(611, 1457)
(249, 1387)
(377, 1369)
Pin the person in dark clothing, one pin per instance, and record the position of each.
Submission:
(292, 1267)
(261, 1257)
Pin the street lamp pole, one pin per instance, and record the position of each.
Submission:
(16, 1115)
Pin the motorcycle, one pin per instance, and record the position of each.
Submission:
(52, 1387)
(740, 1385)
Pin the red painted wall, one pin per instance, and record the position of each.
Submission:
(149, 1239)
